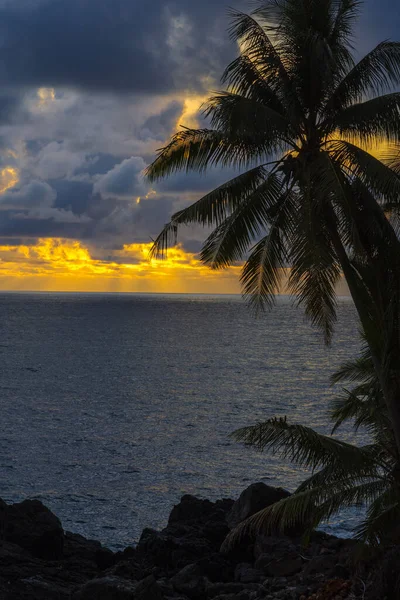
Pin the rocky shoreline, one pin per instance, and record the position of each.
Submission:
(39, 561)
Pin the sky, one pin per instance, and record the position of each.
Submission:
(90, 90)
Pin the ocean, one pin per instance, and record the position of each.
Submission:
(114, 406)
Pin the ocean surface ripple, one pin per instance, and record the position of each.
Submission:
(113, 406)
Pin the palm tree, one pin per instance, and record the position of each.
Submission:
(297, 121)
(344, 475)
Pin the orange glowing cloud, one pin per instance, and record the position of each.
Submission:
(9, 177)
(55, 264)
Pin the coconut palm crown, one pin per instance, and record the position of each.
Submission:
(343, 475)
(296, 120)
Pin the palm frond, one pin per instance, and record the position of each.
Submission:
(262, 273)
(243, 78)
(256, 44)
(348, 474)
(248, 119)
(212, 208)
(232, 238)
(314, 38)
(198, 149)
(378, 72)
(346, 13)
(377, 177)
(372, 122)
(358, 369)
(315, 271)
(302, 445)
(363, 406)
(305, 510)
(382, 518)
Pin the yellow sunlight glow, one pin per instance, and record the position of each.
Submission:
(56, 264)
(9, 177)
(191, 107)
(45, 95)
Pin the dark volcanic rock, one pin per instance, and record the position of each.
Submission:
(106, 588)
(148, 589)
(34, 527)
(284, 567)
(245, 573)
(190, 581)
(191, 509)
(216, 568)
(253, 499)
(168, 552)
(182, 562)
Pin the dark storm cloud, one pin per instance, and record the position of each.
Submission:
(73, 195)
(114, 44)
(98, 164)
(159, 127)
(89, 148)
(34, 194)
(12, 226)
(123, 181)
(10, 106)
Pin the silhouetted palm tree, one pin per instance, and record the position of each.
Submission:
(301, 116)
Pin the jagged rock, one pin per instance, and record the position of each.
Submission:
(274, 546)
(253, 499)
(284, 567)
(181, 562)
(216, 568)
(104, 558)
(106, 588)
(190, 581)
(220, 589)
(321, 564)
(191, 509)
(168, 552)
(127, 569)
(148, 589)
(245, 573)
(384, 580)
(34, 527)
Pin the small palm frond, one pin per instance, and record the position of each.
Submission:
(310, 37)
(262, 272)
(373, 121)
(250, 119)
(392, 159)
(315, 270)
(313, 280)
(198, 149)
(348, 474)
(381, 522)
(346, 496)
(243, 78)
(256, 44)
(232, 238)
(363, 406)
(346, 13)
(378, 72)
(305, 510)
(360, 164)
(358, 369)
(212, 208)
(302, 445)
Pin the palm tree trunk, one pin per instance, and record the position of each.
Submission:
(386, 359)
